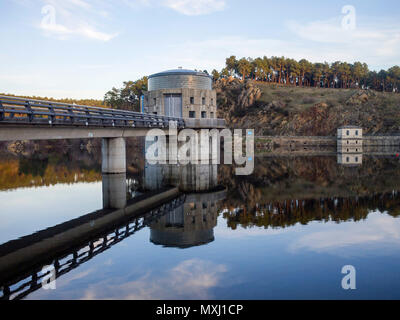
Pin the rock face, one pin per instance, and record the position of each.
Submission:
(273, 110)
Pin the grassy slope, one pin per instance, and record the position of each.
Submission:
(281, 110)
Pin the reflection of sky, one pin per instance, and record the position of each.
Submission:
(303, 261)
(24, 211)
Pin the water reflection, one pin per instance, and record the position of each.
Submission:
(290, 212)
(191, 224)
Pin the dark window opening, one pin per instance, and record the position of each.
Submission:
(203, 101)
(204, 114)
(348, 132)
(191, 100)
(192, 114)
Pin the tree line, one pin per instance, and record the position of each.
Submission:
(278, 70)
(304, 73)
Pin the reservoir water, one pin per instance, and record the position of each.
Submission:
(284, 232)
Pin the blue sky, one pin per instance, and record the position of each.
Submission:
(82, 48)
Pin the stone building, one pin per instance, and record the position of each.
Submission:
(349, 139)
(180, 93)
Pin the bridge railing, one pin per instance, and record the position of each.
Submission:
(16, 110)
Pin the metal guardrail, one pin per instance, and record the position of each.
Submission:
(28, 282)
(14, 110)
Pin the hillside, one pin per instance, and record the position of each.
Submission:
(272, 109)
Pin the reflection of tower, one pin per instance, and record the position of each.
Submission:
(189, 178)
(192, 224)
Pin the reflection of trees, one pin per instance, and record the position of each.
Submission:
(290, 212)
(308, 178)
(286, 191)
(48, 168)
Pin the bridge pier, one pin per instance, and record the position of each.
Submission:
(113, 155)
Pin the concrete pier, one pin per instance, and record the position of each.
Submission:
(113, 155)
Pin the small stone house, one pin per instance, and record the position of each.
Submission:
(349, 139)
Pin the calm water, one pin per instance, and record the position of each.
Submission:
(283, 233)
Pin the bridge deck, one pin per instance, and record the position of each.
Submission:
(36, 117)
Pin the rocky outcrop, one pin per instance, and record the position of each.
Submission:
(305, 111)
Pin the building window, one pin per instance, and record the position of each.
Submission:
(347, 159)
(192, 114)
(191, 100)
(212, 115)
(356, 159)
(348, 132)
(212, 101)
(155, 101)
(348, 142)
(356, 132)
(204, 114)
(203, 101)
(356, 141)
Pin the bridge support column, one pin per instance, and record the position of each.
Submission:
(114, 191)
(113, 155)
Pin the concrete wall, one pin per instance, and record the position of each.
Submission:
(154, 101)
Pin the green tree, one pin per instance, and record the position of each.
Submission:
(244, 68)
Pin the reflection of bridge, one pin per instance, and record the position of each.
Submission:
(70, 244)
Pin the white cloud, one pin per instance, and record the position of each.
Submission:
(67, 18)
(190, 278)
(196, 7)
(378, 230)
(372, 41)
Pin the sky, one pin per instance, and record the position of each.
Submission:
(83, 48)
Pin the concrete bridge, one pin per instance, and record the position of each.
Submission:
(27, 119)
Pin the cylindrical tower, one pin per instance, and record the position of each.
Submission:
(181, 93)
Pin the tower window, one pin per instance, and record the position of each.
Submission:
(191, 100)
